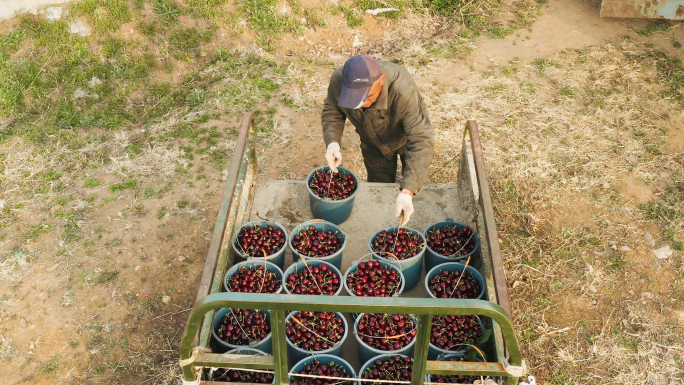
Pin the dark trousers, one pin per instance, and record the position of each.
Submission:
(379, 168)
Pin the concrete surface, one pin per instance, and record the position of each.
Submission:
(11, 8)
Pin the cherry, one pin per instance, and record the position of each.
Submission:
(386, 331)
(315, 243)
(314, 331)
(317, 368)
(335, 186)
(242, 327)
(450, 332)
(456, 378)
(397, 244)
(260, 241)
(231, 375)
(442, 285)
(315, 280)
(451, 240)
(395, 368)
(253, 279)
(372, 279)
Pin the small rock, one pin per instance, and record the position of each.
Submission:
(625, 323)
(80, 28)
(613, 245)
(303, 20)
(138, 268)
(649, 239)
(30, 353)
(663, 252)
(53, 13)
(301, 38)
(131, 30)
(33, 11)
(94, 82)
(600, 253)
(593, 288)
(516, 284)
(631, 292)
(181, 259)
(203, 54)
(594, 302)
(356, 42)
(166, 299)
(32, 346)
(664, 174)
(625, 249)
(22, 322)
(79, 93)
(283, 115)
(647, 294)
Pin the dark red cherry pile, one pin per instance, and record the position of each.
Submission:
(443, 285)
(254, 279)
(242, 327)
(449, 332)
(315, 280)
(456, 378)
(331, 185)
(317, 368)
(399, 244)
(231, 375)
(386, 331)
(451, 240)
(394, 368)
(314, 331)
(260, 241)
(372, 279)
(312, 242)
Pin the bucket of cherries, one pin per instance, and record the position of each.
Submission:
(331, 194)
(262, 240)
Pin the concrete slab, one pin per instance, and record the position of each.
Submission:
(11, 8)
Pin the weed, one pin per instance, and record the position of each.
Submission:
(498, 32)
(617, 262)
(104, 15)
(543, 64)
(313, 20)
(568, 92)
(542, 302)
(128, 184)
(184, 42)
(657, 26)
(161, 213)
(52, 366)
(36, 231)
(168, 12)
(350, 14)
(182, 203)
(107, 276)
(91, 183)
(560, 378)
(207, 9)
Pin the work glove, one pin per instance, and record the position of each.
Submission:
(405, 204)
(333, 156)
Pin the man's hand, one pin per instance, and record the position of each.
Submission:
(333, 156)
(405, 204)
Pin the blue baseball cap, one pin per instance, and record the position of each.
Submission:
(358, 75)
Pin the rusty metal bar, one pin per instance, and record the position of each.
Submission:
(489, 221)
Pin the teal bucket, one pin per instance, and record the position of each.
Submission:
(325, 359)
(410, 267)
(369, 363)
(432, 258)
(434, 352)
(455, 266)
(334, 259)
(296, 353)
(278, 257)
(367, 352)
(221, 346)
(447, 357)
(245, 351)
(334, 211)
(270, 267)
(312, 263)
(355, 266)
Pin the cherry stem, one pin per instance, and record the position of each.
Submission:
(317, 335)
(459, 278)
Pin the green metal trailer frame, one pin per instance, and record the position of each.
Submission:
(473, 190)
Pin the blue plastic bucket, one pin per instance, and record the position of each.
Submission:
(432, 258)
(270, 267)
(325, 359)
(455, 266)
(435, 352)
(366, 352)
(296, 354)
(312, 263)
(447, 357)
(247, 352)
(355, 266)
(334, 211)
(221, 346)
(336, 258)
(370, 362)
(410, 267)
(278, 257)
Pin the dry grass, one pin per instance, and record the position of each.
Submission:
(560, 137)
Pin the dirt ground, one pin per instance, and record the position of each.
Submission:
(583, 134)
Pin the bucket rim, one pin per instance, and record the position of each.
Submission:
(468, 268)
(393, 261)
(232, 346)
(339, 168)
(253, 223)
(317, 262)
(252, 261)
(382, 352)
(343, 239)
(452, 256)
(356, 266)
(320, 352)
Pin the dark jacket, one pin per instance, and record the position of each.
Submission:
(397, 118)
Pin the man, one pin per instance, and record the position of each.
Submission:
(382, 101)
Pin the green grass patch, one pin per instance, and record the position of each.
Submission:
(401, 5)
(51, 367)
(207, 9)
(107, 276)
(264, 18)
(656, 26)
(36, 231)
(185, 42)
(104, 15)
(351, 15)
(128, 184)
(167, 11)
(498, 32)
